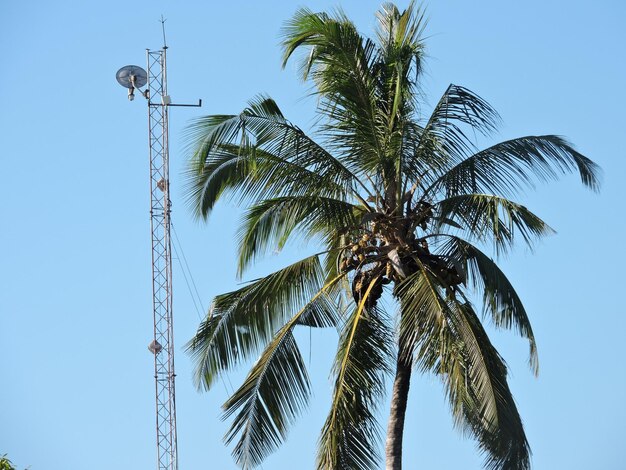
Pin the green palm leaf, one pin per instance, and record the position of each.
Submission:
(398, 31)
(242, 322)
(442, 141)
(397, 69)
(277, 387)
(448, 339)
(509, 166)
(500, 299)
(339, 63)
(272, 221)
(272, 396)
(422, 308)
(350, 435)
(258, 153)
(251, 173)
(485, 217)
(480, 398)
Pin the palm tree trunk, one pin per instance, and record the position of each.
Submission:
(399, 398)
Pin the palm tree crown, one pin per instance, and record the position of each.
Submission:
(401, 203)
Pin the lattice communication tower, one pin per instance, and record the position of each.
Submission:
(162, 345)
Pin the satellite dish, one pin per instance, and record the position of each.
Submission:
(131, 76)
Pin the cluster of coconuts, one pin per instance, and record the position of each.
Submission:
(366, 249)
(398, 235)
(362, 282)
(359, 251)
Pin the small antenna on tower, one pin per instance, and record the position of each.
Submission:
(163, 29)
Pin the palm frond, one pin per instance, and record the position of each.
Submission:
(258, 153)
(475, 377)
(442, 142)
(500, 299)
(492, 219)
(448, 339)
(335, 47)
(335, 244)
(273, 221)
(276, 388)
(401, 30)
(400, 51)
(274, 393)
(251, 173)
(509, 166)
(339, 61)
(397, 68)
(399, 60)
(351, 433)
(422, 308)
(242, 322)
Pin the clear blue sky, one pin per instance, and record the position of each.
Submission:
(76, 386)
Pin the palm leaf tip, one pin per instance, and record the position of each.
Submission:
(205, 372)
(485, 217)
(508, 456)
(508, 167)
(589, 171)
(553, 154)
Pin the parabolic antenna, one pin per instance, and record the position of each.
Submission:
(131, 76)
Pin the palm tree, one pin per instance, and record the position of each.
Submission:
(401, 204)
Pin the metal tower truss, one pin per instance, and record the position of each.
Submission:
(133, 78)
(160, 209)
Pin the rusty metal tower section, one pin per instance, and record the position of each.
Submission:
(162, 345)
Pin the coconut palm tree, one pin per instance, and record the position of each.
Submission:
(401, 203)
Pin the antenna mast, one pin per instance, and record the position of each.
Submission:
(162, 345)
(160, 212)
